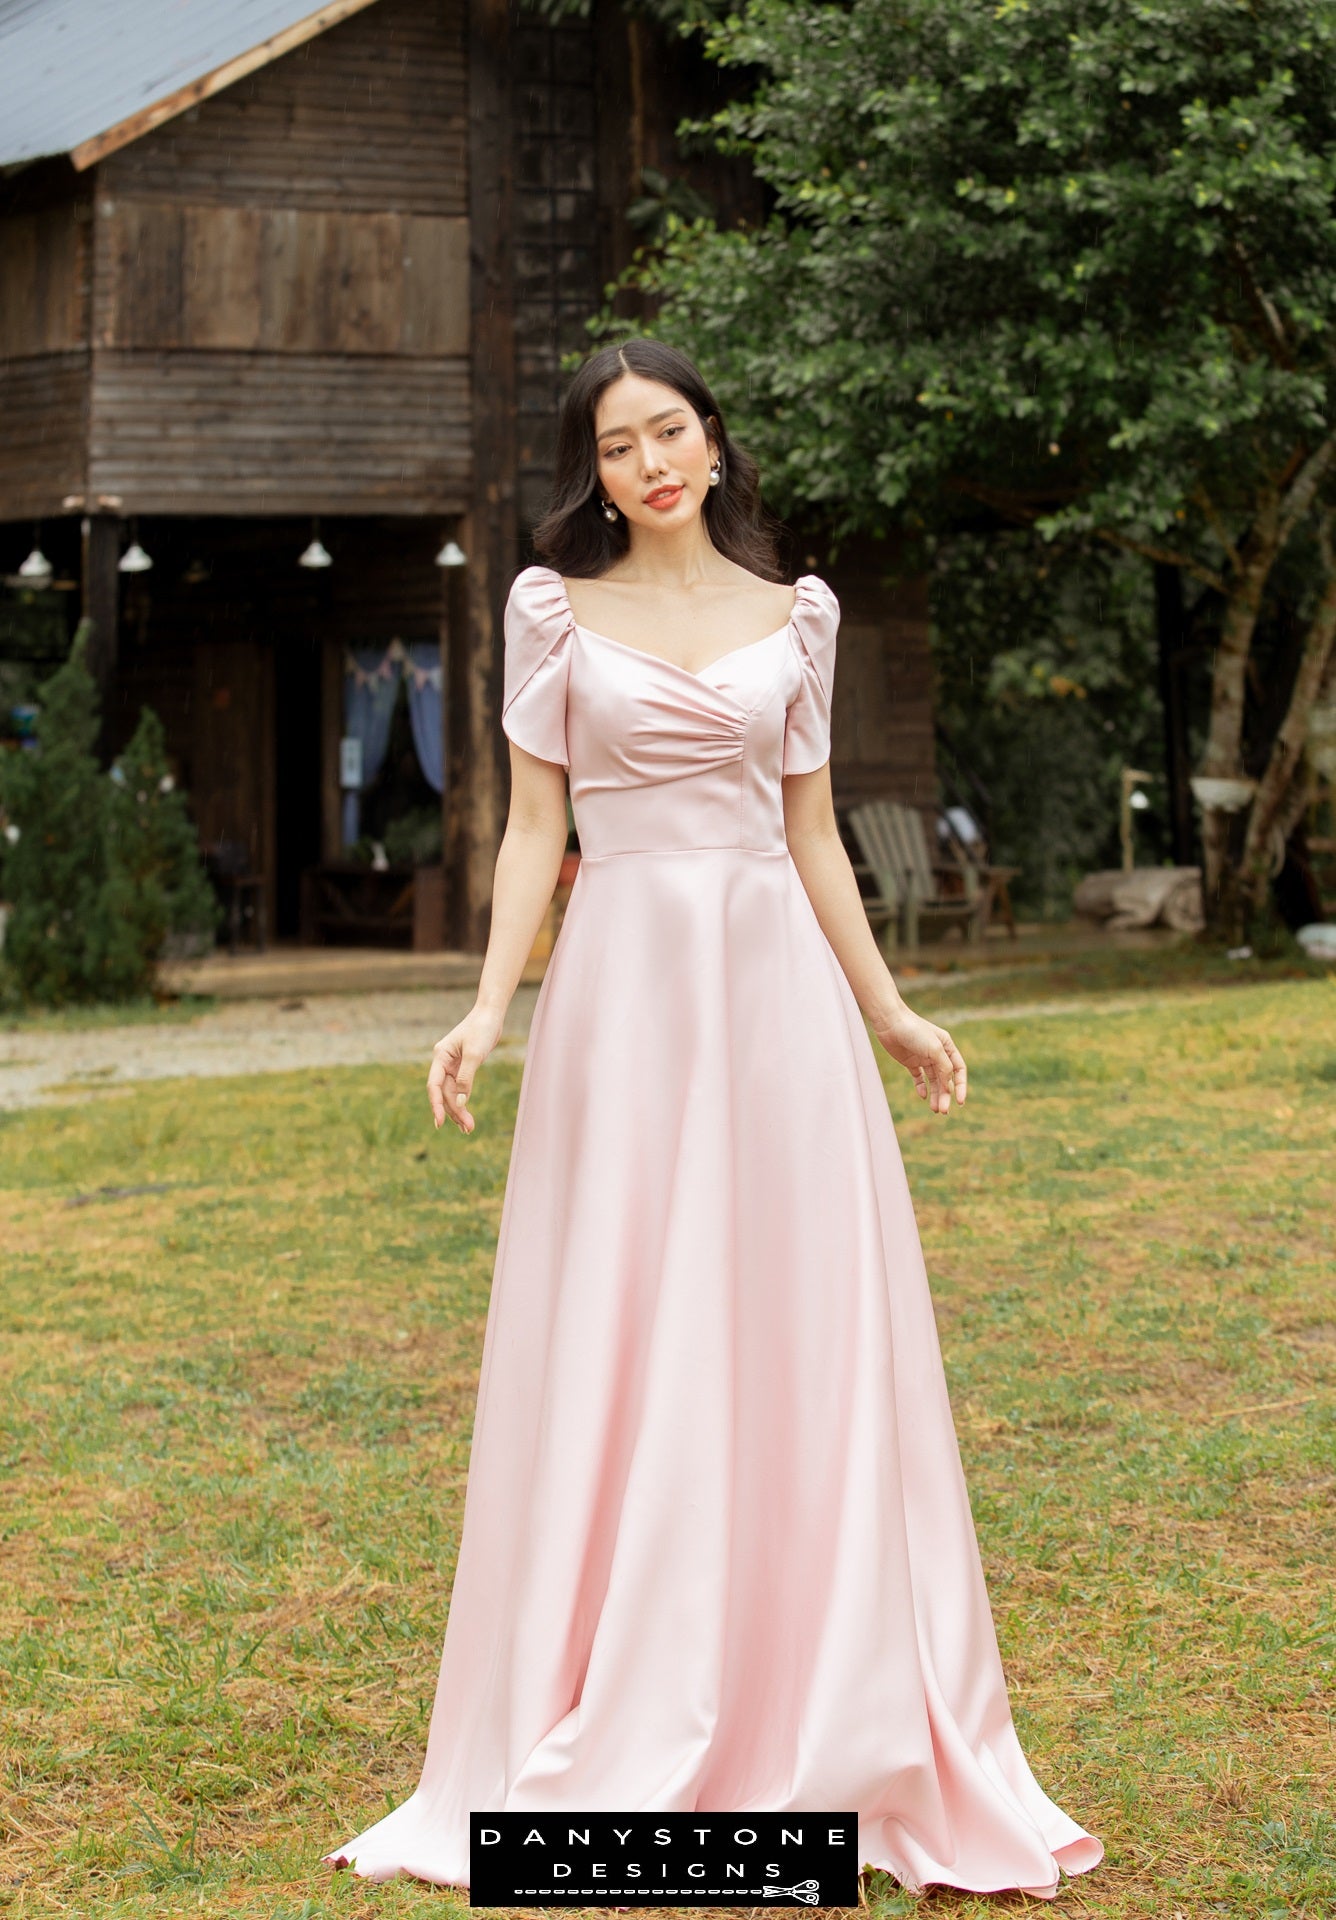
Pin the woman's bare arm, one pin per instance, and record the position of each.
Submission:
(926, 1051)
(527, 865)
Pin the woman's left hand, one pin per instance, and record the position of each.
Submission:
(928, 1054)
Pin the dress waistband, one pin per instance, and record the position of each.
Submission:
(650, 853)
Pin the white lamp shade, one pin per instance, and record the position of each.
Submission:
(133, 560)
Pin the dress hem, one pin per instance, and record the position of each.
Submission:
(906, 1881)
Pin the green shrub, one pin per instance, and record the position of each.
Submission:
(97, 870)
(156, 883)
(55, 852)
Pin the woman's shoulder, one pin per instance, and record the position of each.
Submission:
(536, 604)
(816, 614)
(809, 594)
(536, 583)
(811, 591)
(776, 597)
(538, 623)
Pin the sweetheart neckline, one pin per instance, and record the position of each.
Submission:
(643, 653)
(673, 665)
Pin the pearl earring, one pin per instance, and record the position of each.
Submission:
(609, 511)
(714, 476)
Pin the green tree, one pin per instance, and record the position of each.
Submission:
(1045, 689)
(97, 870)
(1069, 261)
(156, 883)
(55, 854)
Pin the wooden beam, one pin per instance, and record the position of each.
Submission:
(331, 732)
(89, 152)
(101, 550)
(478, 772)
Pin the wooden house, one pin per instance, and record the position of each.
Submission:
(270, 274)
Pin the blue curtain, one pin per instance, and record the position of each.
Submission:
(422, 673)
(370, 685)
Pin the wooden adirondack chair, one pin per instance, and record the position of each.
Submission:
(884, 906)
(972, 851)
(894, 844)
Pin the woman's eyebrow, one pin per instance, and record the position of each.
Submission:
(653, 422)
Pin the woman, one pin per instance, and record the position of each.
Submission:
(717, 1548)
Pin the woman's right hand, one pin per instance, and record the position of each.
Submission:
(454, 1060)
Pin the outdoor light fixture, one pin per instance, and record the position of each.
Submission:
(314, 555)
(195, 574)
(1132, 797)
(36, 569)
(134, 559)
(452, 555)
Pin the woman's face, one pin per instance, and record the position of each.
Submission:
(654, 455)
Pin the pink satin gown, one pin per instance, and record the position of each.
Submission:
(717, 1550)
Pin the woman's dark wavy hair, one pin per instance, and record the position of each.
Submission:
(574, 538)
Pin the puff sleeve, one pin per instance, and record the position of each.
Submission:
(816, 619)
(538, 630)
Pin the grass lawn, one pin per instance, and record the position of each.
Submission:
(241, 1322)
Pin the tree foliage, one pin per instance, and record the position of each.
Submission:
(55, 860)
(156, 883)
(1044, 690)
(1071, 263)
(98, 870)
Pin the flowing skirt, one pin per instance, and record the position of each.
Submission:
(717, 1552)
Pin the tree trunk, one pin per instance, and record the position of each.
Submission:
(1269, 802)
(1221, 759)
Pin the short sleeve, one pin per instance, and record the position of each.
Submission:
(815, 622)
(538, 629)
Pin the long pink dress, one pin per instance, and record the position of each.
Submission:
(717, 1550)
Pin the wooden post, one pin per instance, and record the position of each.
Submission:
(477, 771)
(1171, 624)
(453, 800)
(99, 554)
(331, 731)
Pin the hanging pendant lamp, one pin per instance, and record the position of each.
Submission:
(134, 559)
(36, 570)
(314, 554)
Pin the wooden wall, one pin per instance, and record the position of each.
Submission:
(45, 281)
(882, 724)
(555, 250)
(43, 408)
(280, 290)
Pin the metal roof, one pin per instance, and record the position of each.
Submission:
(72, 69)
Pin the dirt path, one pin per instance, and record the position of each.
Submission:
(39, 1068)
(46, 1067)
